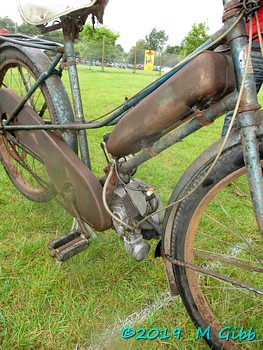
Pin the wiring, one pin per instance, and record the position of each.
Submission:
(104, 199)
(224, 140)
(114, 165)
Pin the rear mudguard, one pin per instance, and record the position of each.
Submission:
(233, 140)
(67, 172)
(63, 113)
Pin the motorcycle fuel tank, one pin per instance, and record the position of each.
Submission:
(205, 80)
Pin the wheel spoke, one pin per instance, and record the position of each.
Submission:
(217, 252)
(225, 259)
(216, 275)
(28, 174)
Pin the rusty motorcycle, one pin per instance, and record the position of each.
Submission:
(44, 150)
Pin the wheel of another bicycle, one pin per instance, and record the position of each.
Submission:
(19, 72)
(214, 230)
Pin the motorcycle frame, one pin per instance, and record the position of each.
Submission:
(248, 114)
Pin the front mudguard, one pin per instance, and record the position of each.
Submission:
(63, 111)
(210, 153)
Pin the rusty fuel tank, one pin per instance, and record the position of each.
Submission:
(203, 81)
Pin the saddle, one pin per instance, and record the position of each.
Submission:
(39, 12)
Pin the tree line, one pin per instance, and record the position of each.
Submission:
(156, 40)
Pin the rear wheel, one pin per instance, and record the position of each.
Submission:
(214, 231)
(29, 175)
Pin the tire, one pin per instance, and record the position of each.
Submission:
(212, 226)
(19, 71)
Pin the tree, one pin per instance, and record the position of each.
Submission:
(156, 40)
(140, 53)
(196, 37)
(32, 30)
(120, 48)
(56, 36)
(174, 50)
(28, 29)
(96, 35)
(7, 23)
(140, 44)
(92, 42)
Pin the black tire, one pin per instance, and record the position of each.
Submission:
(214, 224)
(19, 71)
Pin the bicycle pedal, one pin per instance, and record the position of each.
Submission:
(63, 248)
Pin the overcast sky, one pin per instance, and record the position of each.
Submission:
(134, 19)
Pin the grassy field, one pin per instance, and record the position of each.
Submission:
(90, 298)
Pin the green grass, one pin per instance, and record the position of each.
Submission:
(46, 306)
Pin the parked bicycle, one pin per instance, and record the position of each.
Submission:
(211, 230)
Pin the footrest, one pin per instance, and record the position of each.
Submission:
(65, 247)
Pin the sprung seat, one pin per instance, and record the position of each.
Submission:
(39, 12)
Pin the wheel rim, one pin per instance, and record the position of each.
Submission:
(27, 173)
(223, 225)
(17, 76)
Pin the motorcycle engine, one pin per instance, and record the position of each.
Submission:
(133, 202)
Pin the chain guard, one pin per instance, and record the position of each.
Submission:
(66, 171)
